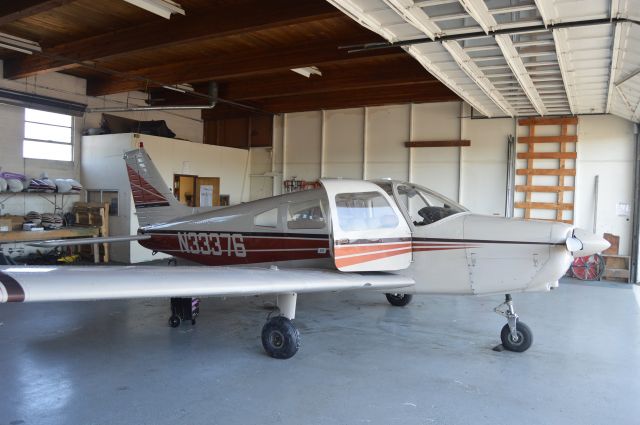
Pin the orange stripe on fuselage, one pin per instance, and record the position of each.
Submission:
(348, 255)
(350, 261)
(359, 249)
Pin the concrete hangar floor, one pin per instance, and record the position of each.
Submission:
(362, 361)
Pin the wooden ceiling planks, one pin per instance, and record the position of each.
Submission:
(13, 10)
(209, 24)
(247, 46)
(213, 68)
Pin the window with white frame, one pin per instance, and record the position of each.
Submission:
(47, 135)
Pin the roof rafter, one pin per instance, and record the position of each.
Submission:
(13, 10)
(216, 23)
(217, 69)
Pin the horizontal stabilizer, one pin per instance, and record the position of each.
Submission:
(88, 241)
(75, 283)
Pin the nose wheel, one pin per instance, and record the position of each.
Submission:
(398, 300)
(515, 335)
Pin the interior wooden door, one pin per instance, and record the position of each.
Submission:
(208, 191)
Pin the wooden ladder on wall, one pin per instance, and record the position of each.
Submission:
(560, 159)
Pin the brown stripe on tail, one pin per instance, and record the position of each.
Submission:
(14, 290)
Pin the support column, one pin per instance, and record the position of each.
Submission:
(635, 231)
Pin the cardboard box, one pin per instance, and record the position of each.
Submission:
(11, 222)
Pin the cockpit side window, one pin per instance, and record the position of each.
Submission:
(306, 215)
(267, 218)
(365, 211)
(425, 207)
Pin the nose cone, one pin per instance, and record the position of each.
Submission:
(584, 243)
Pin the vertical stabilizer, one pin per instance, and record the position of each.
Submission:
(153, 200)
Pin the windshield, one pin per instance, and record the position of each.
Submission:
(423, 206)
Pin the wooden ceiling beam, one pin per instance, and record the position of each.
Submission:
(209, 24)
(414, 93)
(399, 70)
(245, 65)
(19, 9)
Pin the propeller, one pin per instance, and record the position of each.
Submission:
(582, 243)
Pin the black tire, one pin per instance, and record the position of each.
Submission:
(174, 321)
(280, 338)
(525, 338)
(399, 300)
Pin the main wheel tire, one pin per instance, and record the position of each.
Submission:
(280, 338)
(174, 321)
(399, 300)
(524, 341)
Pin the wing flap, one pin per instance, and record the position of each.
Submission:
(76, 283)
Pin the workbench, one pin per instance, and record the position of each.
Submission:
(20, 236)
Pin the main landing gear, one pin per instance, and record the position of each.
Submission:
(399, 300)
(280, 338)
(515, 335)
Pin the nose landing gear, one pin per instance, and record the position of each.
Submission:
(515, 335)
(398, 299)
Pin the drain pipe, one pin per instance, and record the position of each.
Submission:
(635, 233)
(213, 98)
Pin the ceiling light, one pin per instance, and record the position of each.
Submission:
(164, 8)
(18, 44)
(307, 71)
(180, 88)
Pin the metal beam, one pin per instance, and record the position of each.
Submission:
(520, 71)
(435, 70)
(477, 76)
(615, 56)
(478, 9)
(563, 49)
(416, 16)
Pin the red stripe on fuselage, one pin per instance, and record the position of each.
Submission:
(219, 249)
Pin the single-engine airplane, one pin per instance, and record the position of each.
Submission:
(395, 237)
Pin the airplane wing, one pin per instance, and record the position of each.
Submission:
(75, 283)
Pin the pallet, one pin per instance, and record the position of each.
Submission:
(562, 171)
(94, 214)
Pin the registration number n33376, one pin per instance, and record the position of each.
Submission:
(230, 244)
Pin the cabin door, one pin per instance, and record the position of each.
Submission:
(369, 231)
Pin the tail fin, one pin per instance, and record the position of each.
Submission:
(153, 200)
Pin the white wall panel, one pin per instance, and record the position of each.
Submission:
(303, 145)
(436, 168)
(484, 164)
(387, 129)
(343, 143)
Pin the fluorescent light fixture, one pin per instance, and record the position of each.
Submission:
(164, 8)
(18, 44)
(180, 88)
(307, 71)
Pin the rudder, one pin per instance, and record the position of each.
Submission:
(152, 198)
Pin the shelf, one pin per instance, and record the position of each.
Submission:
(5, 196)
(39, 193)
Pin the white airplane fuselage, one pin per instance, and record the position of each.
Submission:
(462, 253)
